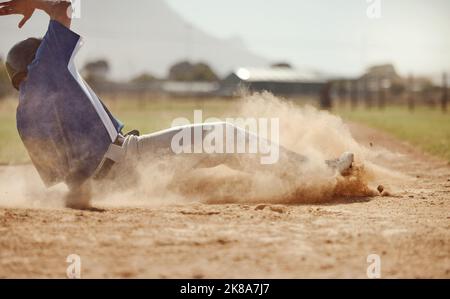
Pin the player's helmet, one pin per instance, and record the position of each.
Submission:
(18, 59)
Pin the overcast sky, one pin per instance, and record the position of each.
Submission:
(334, 36)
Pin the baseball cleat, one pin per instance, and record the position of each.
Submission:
(343, 163)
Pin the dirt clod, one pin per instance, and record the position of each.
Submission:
(260, 207)
(278, 209)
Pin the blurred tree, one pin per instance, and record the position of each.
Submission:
(281, 65)
(203, 72)
(186, 71)
(181, 71)
(144, 78)
(96, 71)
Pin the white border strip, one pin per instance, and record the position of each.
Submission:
(112, 131)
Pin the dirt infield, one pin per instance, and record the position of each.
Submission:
(409, 230)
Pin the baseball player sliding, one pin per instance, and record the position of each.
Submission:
(70, 135)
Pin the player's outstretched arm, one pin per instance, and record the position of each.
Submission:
(18, 7)
(57, 10)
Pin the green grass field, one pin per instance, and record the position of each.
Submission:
(429, 129)
(11, 149)
(425, 128)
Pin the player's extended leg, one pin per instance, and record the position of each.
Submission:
(237, 148)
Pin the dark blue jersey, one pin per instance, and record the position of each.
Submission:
(65, 127)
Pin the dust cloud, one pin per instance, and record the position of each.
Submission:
(21, 187)
(317, 135)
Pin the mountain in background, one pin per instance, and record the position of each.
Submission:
(149, 36)
(139, 36)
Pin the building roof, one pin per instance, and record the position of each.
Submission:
(189, 87)
(276, 74)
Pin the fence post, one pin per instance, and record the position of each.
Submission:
(361, 91)
(354, 93)
(381, 93)
(411, 99)
(367, 93)
(325, 96)
(444, 99)
(342, 92)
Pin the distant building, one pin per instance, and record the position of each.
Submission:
(278, 80)
(383, 76)
(180, 88)
(159, 87)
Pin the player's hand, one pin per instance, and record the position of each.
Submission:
(18, 7)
